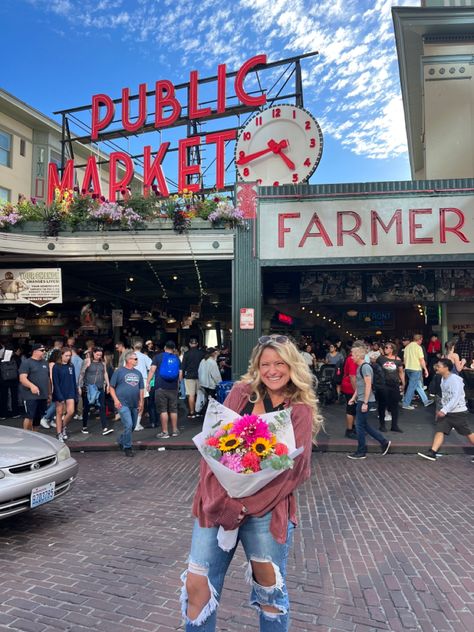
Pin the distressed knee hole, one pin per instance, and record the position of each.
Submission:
(267, 581)
(198, 596)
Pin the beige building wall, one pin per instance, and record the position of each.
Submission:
(17, 177)
(448, 106)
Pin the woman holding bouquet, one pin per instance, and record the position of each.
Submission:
(277, 378)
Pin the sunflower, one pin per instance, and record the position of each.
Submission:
(261, 446)
(229, 442)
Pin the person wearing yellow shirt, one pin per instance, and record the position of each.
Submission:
(415, 368)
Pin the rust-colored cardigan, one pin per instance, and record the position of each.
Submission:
(213, 507)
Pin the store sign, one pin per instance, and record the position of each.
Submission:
(163, 103)
(117, 318)
(376, 227)
(38, 286)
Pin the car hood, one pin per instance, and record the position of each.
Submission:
(20, 446)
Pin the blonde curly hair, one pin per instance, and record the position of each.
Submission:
(300, 388)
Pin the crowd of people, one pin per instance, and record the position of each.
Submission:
(54, 384)
(385, 376)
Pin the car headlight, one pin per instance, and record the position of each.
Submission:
(64, 453)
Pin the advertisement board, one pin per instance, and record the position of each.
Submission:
(38, 286)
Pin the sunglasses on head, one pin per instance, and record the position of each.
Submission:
(264, 340)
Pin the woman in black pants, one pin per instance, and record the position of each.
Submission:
(394, 375)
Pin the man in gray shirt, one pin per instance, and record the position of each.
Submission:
(35, 387)
(362, 397)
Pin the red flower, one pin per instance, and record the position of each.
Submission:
(280, 449)
(212, 441)
(251, 461)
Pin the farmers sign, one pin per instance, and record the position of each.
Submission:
(38, 286)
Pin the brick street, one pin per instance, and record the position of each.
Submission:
(384, 544)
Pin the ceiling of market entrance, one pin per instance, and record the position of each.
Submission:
(171, 286)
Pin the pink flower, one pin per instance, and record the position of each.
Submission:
(251, 427)
(219, 433)
(233, 462)
(251, 461)
(280, 449)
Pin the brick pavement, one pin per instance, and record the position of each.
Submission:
(384, 544)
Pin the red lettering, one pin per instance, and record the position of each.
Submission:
(91, 177)
(114, 184)
(133, 127)
(184, 168)
(315, 221)
(412, 213)
(243, 97)
(376, 219)
(220, 138)
(282, 228)
(352, 232)
(443, 229)
(221, 87)
(164, 97)
(194, 111)
(99, 123)
(154, 170)
(67, 181)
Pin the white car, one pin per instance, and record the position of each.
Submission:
(34, 469)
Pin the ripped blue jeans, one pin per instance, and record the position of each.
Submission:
(207, 559)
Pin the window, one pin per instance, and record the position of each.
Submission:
(5, 149)
(22, 147)
(4, 195)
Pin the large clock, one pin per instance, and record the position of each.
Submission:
(279, 145)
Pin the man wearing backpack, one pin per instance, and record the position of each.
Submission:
(166, 368)
(8, 383)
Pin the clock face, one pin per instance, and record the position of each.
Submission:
(280, 145)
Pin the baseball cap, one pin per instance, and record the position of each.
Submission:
(37, 346)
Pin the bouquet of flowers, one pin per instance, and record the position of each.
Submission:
(245, 452)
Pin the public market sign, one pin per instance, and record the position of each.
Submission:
(167, 110)
(38, 286)
(361, 228)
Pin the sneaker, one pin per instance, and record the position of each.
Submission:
(117, 417)
(357, 456)
(60, 437)
(44, 423)
(388, 417)
(107, 431)
(65, 434)
(397, 429)
(472, 460)
(78, 417)
(386, 447)
(191, 415)
(84, 431)
(128, 452)
(16, 416)
(372, 409)
(139, 427)
(175, 433)
(162, 435)
(428, 403)
(350, 434)
(408, 407)
(52, 424)
(4, 418)
(430, 455)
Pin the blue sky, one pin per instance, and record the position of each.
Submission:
(61, 52)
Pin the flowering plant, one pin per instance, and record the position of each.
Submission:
(227, 213)
(248, 445)
(9, 216)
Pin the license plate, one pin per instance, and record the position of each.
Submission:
(43, 494)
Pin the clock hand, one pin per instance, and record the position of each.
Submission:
(277, 148)
(249, 157)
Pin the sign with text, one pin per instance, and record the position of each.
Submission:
(247, 318)
(38, 286)
(376, 227)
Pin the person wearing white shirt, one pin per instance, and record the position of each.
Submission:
(209, 375)
(143, 365)
(453, 412)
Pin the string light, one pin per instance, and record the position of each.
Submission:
(163, 289)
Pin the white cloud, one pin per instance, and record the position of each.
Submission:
(352, 84)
